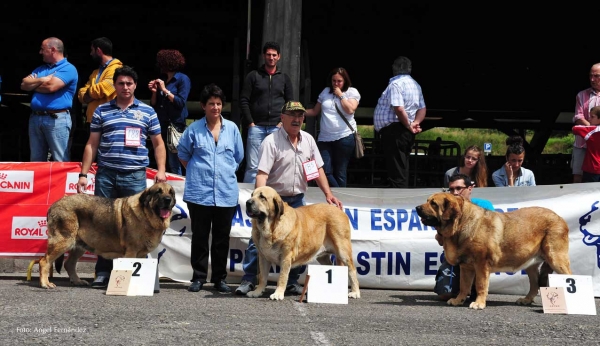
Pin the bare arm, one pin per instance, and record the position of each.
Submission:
(313, 112)
(89, 155)
(152, 87)
(324, 186)
(160, 155)
(261, 179)
(415, 127)
(349, 105)
(53, 84)
(31, 82)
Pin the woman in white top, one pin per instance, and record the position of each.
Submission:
(336, 139)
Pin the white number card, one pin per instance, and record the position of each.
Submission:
(578, 291)
(310, 170)
(328, 284)
(133, 136)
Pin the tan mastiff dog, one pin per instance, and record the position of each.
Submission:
(128, 227)
(290, 237)
(483, 241)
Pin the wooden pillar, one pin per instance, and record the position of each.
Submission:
(283, 23)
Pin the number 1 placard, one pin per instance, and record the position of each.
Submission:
(579, 292)
(328, 284)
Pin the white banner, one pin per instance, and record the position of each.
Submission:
(391, 248)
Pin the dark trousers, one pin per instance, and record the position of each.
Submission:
(206, 220)
(397, 142)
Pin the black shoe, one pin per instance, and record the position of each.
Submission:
(245, 287)
(195, 286)
(101, 281)
(222, 287)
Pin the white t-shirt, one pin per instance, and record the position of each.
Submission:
(332, 127)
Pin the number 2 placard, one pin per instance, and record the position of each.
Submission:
(579, 292)
(328, 284)
(143, 277)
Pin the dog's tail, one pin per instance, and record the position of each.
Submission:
(545, 270)
(59, 262)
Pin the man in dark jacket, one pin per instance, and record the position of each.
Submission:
(265, 91)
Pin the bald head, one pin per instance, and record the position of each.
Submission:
(55, 43)
(52, 50)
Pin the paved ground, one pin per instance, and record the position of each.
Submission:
(69, 315)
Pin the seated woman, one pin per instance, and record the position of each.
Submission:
(472, 165)
(511, 173)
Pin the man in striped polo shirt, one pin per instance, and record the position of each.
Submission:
(117, 141)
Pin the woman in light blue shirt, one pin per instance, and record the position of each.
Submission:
(512, 173)
(211, 150)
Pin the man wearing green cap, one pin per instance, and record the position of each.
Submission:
(285, 161)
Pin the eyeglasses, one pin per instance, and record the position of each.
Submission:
(471, 158)
(458, 189)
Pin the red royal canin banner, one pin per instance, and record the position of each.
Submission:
(26, 192)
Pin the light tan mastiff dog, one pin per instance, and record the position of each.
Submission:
(483, 241)
(291, 237)
(128, 227)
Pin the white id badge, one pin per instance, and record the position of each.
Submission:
(133, 136)
(310, 170)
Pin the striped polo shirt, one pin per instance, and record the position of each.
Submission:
(111, 122)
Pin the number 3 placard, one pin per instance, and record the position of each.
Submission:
(579, 292)
(328, 284)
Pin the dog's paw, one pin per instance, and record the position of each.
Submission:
(80, 282)
(455, 301)
(49, 285)
(277, 295)
(524, 301)
(354, 295)
(477, 306)
(254, 294)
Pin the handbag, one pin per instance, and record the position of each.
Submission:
(359, 147)
(173, 137)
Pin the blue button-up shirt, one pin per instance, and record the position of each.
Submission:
(210, 173)
(175, 112)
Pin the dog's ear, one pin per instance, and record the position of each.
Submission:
(278, 206)
(452, 208)
(145, 197)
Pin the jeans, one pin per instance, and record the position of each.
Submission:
(173, 163)
(250, 263)
(336, 156)
(256, 134)
(114, 184)
(47, 133)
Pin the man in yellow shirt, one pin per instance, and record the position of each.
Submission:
(99, 88)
